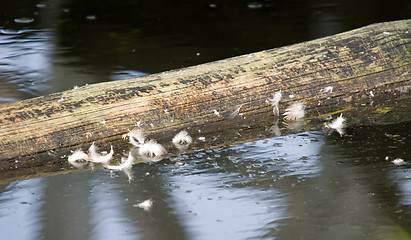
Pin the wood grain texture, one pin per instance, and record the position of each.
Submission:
(374, 58)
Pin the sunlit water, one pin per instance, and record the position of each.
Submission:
(301, 186)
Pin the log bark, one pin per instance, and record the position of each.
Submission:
(362, 65)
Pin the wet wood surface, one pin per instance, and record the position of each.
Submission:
(364, 66)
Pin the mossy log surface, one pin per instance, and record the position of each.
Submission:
(367, 64)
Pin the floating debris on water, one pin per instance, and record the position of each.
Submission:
(136, 137)
(275, 102)
(146, 205)
(79, 158)
(398, 161)
(125, 166)
(24, 20)
(295, 111)
(78, 155)
(126, 163)
(337, 124)
(152, 149)
(255, 5)
(182, 140)
(98, 157)
(91, 17)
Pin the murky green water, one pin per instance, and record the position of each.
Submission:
(301, 186)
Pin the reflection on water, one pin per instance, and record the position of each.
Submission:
(302, 186)
(24, 63)
(20, 209)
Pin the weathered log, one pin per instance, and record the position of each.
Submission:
(363, 65)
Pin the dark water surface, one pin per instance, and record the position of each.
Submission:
(301, 186)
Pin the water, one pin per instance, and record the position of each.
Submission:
(300, 186)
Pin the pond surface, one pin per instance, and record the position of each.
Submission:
(300, 186)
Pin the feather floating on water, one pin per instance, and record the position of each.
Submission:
(337, 124)
(126, 163)
(398, 161)
(152, 149)
(98, 157)
(136, 137)
(294, 112)
(275, 102)
(182, 140)
(79, 158)
(146, 205)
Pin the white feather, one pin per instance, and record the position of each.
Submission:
(337, 124)
(146, 205)
(126, 163)
(78, 159)
(136, 137)
(98, 157)
(231, 116)
(276, 98)
(398, 161)
(182, 138)
(152, 149)
(78, 155)
(294, 112)
(275, 102)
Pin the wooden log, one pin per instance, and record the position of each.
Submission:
(361, 65)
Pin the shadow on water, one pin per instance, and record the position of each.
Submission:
(305, 185)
